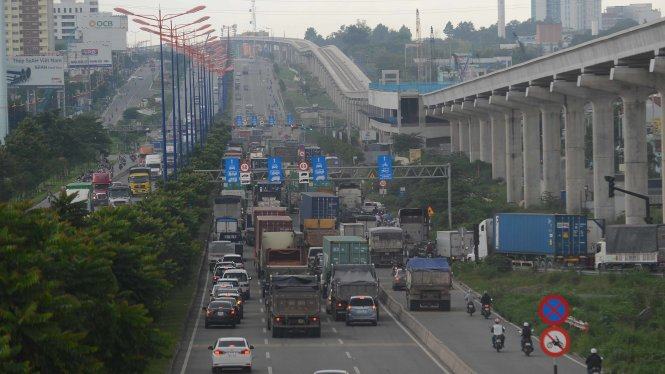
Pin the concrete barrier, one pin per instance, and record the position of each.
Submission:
(442, 352)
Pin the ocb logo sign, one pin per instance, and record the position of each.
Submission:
(100, 24)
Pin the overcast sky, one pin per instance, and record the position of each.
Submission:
(292, 17)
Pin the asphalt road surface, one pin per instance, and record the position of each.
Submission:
(386, 348)
(469, 337)
(259, 87)
(130, 94)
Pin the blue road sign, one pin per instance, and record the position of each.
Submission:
(319, 168)
(274, 169)
(384, 166)
(289, 119)
(255, 120)
(553, 309)
(271, 120)
(239, 121)
(232, 170)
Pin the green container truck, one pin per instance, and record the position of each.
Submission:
(343, 250)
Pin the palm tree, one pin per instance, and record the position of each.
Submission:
(68, 210)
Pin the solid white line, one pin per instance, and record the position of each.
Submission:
(334, 330)
(328, 319)
(264, 330)
(265, 341)
(196, 326)
(261, 310)
(269, 369)
(348, 355)
(340, 341)
(267, 355)
(355, 368)
(385, 309)
(263, 320)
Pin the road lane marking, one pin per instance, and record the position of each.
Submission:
(443, 369)
(269, 369)
(263, 320)
(328, 319)
(348, 355)
(267, 355)
(334, 330)
(264, 330)
(262, 310)
(340, 341)
(196, 326)
(355, 368)
(265, 341)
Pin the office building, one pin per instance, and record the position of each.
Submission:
(29, 27)
(65, 14)
(546, 10)
(640, 13)
(578, 15)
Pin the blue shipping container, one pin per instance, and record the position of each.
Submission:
(540, 234)
(318, 205)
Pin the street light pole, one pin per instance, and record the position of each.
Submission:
(177, 73)
(161, 75)
(173, 113)
(187, 118)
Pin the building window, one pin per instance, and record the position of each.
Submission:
(68, 24)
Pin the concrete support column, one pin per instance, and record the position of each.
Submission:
(464, 135)
(514, 191)
(498, 129)
(603, 156)
(574, 118)
(635, 156)
(531, 154)
(474, 139)
(454, 136)
(485, 139)
(552, 150)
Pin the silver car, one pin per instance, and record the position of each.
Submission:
(362, 309)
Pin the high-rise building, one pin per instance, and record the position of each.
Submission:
(501, 22)
(29, 27)
(546, 10)
(640, 13)
(65, 13)
(581, 14)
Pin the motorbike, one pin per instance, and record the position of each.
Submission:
(486, 311)
(470, 308)
(498, 342)
(527, 346)
(594, 370)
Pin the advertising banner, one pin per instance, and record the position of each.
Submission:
(36, 71)
(103, 27)
(367, 135)
(274, 169)
(89, 55)
(384, 167)
(319, 168)
(231, 170)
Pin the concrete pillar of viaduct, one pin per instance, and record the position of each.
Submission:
(497, 125)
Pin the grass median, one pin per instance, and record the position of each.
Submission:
(625, 312)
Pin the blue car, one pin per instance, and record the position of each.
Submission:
(362, 309)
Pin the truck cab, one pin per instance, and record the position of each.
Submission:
(119, 194)
(154, 162)
(100, 188)
(139, 180)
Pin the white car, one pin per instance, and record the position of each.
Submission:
(231, 353)
(235, 259)
(243, 280)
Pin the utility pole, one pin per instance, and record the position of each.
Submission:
(253, 10)
(4, 116)
(419, 46)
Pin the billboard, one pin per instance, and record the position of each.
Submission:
(89, 55)
(367, 135)
(41, 71)
(102, 27)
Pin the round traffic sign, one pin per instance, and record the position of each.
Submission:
(301, 153)
(553, 309)
(303, 166)
(244, 166)
(383, 183)
(555, 341)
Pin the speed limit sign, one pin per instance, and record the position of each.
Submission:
(244, 166)
(302, 166)
(383, 183)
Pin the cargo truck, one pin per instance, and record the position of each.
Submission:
(315, 229)
(139, 180)
(386, 245)
(347, 281)
(228, 206)
(454, 245)
(428, 283)
(154, 162)
(83, 191)
(352, 229)
(414, 223)
(318, 205)
(350, 197)
(343, 250)
(216, 251)
(368, 222)
(269, 224)
(641, 246)
(100, 188)
(541, 240)
(293, 304)
(279, 247)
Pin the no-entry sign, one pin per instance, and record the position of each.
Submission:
(553, 310)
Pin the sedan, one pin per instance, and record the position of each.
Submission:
(235, 307)
(399, 279)
(361, 309)
(220, 313)
(231, 353)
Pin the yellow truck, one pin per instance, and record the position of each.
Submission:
(139, 180)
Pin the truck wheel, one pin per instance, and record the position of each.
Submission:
(316, 333)
(444, 305)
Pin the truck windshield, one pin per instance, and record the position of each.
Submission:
(139, 178)
(153, 165)
(118, 193)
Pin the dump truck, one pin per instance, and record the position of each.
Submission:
(347, 281)
(343, 250)
(315, 229)
(293, 304)
(269, 224)
(640, 246)
(428, 283)
(414, 223)
(217, 249)
(279, 251)
(350, 197)
(386, 245)
(139, 180)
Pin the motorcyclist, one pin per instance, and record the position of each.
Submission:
(468, 297)
(486, 299)
(497, 330)
(525, 333)
(594, 362)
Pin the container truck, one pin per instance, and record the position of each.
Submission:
(350, 197)
(318, 205)
(269, 224)
(83, 191)
(228, 206)
(347, 281)
(352, 229)
(541, 239)
(315, 229)
(414, 223)
(386, 245)
(154, 162)
(226, 224)
(454, 245)
(293, 304)
(428, 283)
(641, 246)
(343, 250)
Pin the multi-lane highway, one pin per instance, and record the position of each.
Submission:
(137, 87)
(258, 88)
